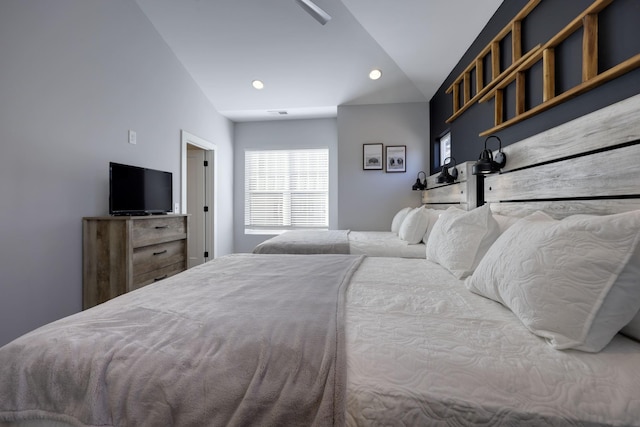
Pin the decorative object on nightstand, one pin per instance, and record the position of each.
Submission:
(446, 176)
(420, 184)
(487, 164)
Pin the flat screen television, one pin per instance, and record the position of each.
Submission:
(134, 190)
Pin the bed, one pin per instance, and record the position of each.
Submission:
(408, 232)
(343, 339)
(370, 243)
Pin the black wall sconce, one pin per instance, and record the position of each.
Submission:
(420, 185)
(446, 176)
(486, 164)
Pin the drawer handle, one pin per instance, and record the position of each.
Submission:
(160, 227)
(157, 279)
(160, 253)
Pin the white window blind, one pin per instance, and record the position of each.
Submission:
(286, 189)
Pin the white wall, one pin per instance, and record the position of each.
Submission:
(368, 199)
(281, 134)
(75, 76)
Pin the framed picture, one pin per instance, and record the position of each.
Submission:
(396, 158)
(372, 156)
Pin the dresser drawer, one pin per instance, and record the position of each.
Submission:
(150, 258)
(156, 275)
(155, 230)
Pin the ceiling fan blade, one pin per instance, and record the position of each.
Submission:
(314, 10)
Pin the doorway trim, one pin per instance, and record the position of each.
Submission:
(187, 138)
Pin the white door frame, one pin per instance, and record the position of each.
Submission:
(211, 174)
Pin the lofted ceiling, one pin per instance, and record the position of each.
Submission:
(308, 69)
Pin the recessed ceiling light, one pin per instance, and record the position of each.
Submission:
(257, 84)
(375, 74)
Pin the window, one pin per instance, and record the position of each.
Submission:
(445, 147)
(285, 190)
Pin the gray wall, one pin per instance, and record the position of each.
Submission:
(368, 199)
(283, 134)
(75, 76)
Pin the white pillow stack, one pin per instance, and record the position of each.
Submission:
(459, 239)
(398, 218)
(573, 282)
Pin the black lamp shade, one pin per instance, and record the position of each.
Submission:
(420, 185)
(486, 164)
(445, 176)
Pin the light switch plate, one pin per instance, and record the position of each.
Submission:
(132, 137)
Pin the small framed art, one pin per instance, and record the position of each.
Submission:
(396, 158)
(372, 156)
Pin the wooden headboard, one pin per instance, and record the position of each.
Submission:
(463, 193)
(589, 165)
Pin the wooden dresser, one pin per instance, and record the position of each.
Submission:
(123, 253)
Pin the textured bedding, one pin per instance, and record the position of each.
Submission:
(423, 350)
(384, 244)
(306, 242)
(241, 340)
(370, 243)
(420, 350)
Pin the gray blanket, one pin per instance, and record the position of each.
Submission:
(306, 242)
(241, 340)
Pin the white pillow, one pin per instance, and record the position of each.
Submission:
(414, 226)
(459, 239)
(398, 218)
(433, 217)
(632, 330)
(573, 282)
(504, 221)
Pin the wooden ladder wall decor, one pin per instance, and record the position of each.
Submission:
(591, 78)
(477, 65)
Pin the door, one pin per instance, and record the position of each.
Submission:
(198, 194)
(197, 205)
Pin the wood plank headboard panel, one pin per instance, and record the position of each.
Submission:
(463, 193)
(588, 165)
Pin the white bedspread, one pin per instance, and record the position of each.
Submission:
(370, 243)
(384, 244)
(424, 351)
(241, 340)
(307, 242)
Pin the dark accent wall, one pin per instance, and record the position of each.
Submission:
(619, 40)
